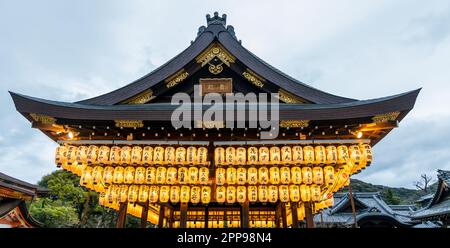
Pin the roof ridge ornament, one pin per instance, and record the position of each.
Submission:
(216, 19)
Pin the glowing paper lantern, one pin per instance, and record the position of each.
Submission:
(118, 175)
(202, 155)
(143, 193)
(112, 193)
(169, 155)
(203, 175)
(71, 154)
(86, 176)
(241, 194)
(315, 192)
(286, 154)
(329, 202)
(139, 175)
(183, 175)
(308, 155)
(320, 154)
(274, 175)
(342, 154)
(97, 175)
(153, 194)
(128, 175)
(252, 193)
(297, 154)
(273, 193)
(366, 152)
(305, 193)
(193, 175)
(219, 155)
(231, 175)
(328, 172)
(230, 154)
(82, 154)
(264, 157)
(354, 154)
(263, 175)
(263, 193)
(185, 194)
(158, 155)
(220, 176)
(241, 177)
(285, 175)
(174, 194)
(307, 175)
(252, 155)
(284, 193)
(103, 155)
(136, 155)
(220, 194)
(133, 192)
(191, 155)
(317, 175)
(241, 155)
(114, 155)
(161, 175)
(150, 175)
(60, 155)
(123, 193)
(125, 155)
(102, 199)
(92, 154)
(332, 156)
(147, 155)
(164, 193)
(206, 194)
(171, 175)
(231, 194)
(195, 194)
(180, 155)
(108, 175)
(275, 155)
(296, 175)
(294, 193)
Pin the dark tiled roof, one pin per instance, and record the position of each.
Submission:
(21, 186)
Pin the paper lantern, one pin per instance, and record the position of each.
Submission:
(143, 193)
(328, 172)
(241, 194)
(161, 175)
(128, 175)
(174, 194)
(108, 175)
(219, 155)
(193, 175)
(286, 154)
(125, 155)
(220, 176)
(123, 193)
(60, 155)
(103, 155)
(191, 155)
(274, 173)
(150, 175)
(102, 199)
(252, 193)
(230, 154)
(180, 155)
(203, 175)
(139, 175)
(320, 154)
(112, 193)
(171, 175)
(273, 193)
(158, 155)
(183, 175)
(285, 175)
(114, 155)
(241, 177)
(97, 175)
(263, 193)
(92, 154)
(185, 194)
(220, 194)
(366, 152)
(294, 193)
(315, 193)
(164, 193)
(231, 194)
(307, 177)
(241, 155)
(329, 202)
(202, 155)
(71, 154)
(86, 176)
(133, 192)
(231, 175)
(118, 175)
(263, 175)
(147, 155)
(305, 193)
(195, 194)
(308, 155)
(252, 155)
(332, 156)
(206, 194)
(275, 155)
(169, 155)
(342, 154)
(284, 193)
(153, 194)
(296, 175)
(78, 168)
(136, 155)
(354, 154)
(297, 154)
(82, 154)
(252, 175)
(264, 157)
(317, 174)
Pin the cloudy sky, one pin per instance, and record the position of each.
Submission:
(71, 50)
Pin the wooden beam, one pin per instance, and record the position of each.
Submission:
(294, 215)
(245, 212)
(283, 215)
(161, 217)
(309, 215)
(121, 219)
(144, 215)
(183, 214)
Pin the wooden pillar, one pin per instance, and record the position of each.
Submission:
(171, 218)
(283, 215)
(294, 215)
(352, 202)
(161, 217)
(183, 214)
(277, 216)
(206, 216)
(245, 212)
(122, 218)
(309, 215)
(144, 215)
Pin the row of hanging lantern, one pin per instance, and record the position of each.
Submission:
(132, 209)
(131, 155)
(292, 155)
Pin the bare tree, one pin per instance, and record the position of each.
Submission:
(424, 183)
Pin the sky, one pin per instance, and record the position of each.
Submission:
(72, 50)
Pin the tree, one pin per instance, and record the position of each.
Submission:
(424, 183)
(390, 198)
